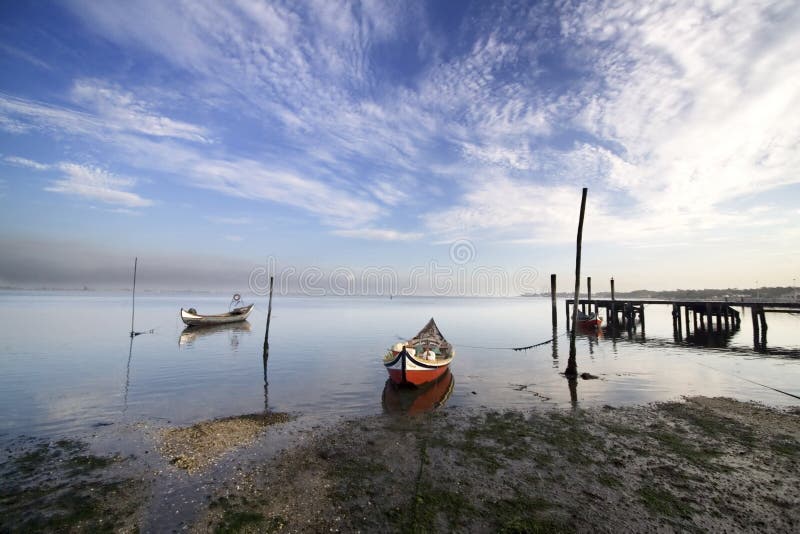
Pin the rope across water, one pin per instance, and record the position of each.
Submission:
(541, 343)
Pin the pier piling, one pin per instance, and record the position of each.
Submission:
(613, 306)
(553, 299)
(589, 292)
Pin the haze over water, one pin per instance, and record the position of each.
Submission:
(67, 365)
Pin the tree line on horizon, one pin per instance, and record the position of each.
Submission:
(779, 292)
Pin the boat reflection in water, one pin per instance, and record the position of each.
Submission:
(191, 334)
(410, 401)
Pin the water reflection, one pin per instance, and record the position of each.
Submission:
(127, 376)
(191, 334)
(712, 338)
(307, 373)
(410, 401)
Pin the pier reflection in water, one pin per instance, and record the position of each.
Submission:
(411, 401)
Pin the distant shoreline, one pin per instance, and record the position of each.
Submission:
(733, 294)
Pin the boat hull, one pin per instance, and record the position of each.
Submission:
(194, 319)
(407, 370)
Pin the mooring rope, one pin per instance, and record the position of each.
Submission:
(747, 380)
(545, 342)
(600, 346)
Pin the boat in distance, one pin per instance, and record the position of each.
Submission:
(589, 321)
(421, 359)
(192, 318)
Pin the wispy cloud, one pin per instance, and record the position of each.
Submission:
(88, 182)
(25, 56)
(123, 111)
(107, 111)
(24, 162)
(666, 111)
(379, 234)
(701, 97)
(229, 220)
(97, 184)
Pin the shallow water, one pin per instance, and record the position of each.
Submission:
(67, 365)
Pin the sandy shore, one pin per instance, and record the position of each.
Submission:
(700, 465)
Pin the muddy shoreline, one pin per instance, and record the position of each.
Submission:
(703, 464)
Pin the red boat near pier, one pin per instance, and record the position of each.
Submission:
(421, 359)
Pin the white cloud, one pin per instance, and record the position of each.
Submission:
(24, 162)
(25, 56)
(379, 234)
(97, 184)
(388, 193)
(110, 112)
(698, 102)
(88, 182)
(230, 220)
(122, 111)
(703, 98)
(679, 109)
(234, 238)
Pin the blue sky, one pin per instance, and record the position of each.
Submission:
(206, 136)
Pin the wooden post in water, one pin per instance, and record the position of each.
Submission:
(686, 314)
(566, 307)
(266, 334)
(553, 299)
(133, 294)
(754, 317)
(572, 366)
(675, 319)
(589, 292)
(762, 318)
(613, 305)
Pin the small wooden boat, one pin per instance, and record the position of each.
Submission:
(192, 318)
(589, 321)
(421, 359)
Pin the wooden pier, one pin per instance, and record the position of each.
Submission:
(689, 316)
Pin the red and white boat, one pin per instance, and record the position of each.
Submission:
(589, 321)
(421, 359)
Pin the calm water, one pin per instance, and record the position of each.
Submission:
(67, 365)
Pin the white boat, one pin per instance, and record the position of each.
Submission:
(192, 318)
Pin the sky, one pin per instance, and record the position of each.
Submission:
(213, 139)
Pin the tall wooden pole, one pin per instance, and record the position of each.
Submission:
(266, 334)
(133, 294)
(553, 299)
(572, 366)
